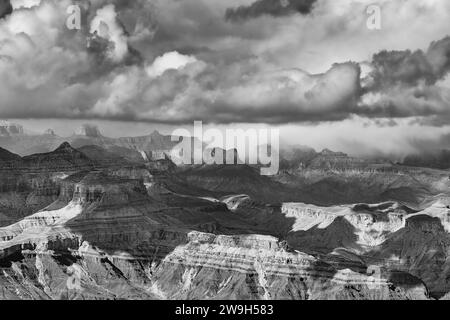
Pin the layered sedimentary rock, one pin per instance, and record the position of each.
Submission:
(179, 265)
(140, 231)
(111, 240)
(388, 235)
(31, 183)
(28, 184)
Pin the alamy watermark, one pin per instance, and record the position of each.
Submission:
(233, 146)
(373, 11)
(374, 17)
(73, 21)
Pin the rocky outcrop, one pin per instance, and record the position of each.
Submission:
(89, 130)
(64, 158)
(181, 265)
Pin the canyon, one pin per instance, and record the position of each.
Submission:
(98, 221)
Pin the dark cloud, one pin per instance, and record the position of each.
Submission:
(274, 8)
(438, 56)
(194, 68)
(5, 8)
(404, 67)
(408, 68)
(406, 84)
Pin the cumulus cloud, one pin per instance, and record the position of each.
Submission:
(106, 26)
(169, 61)
(269, 7)
(178, 61)
(25, 3)
(407, 84)
(291, 96)
(409, 68)
(247, 93)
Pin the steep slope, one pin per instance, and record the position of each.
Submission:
(106, 238)
(103, 156)
(421, 249)
(333, 178)
(8, 159)
(234, 179)
(296, 157)
(65, 157)
(31, 183)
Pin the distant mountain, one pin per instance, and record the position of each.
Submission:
(102, 155)
(437, 160)
(234, 179)
(132, 148)
(330, 160)
(65, 156)
(13, 138)
(89, 130)
(294, 157)
(157, 146)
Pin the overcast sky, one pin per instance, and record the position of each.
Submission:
(310, 67)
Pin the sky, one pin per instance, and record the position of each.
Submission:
(312, 68)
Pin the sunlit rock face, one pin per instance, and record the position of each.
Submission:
(23, 194)
(178, 265)
(389, 235)
(260, 267)
(29, 184)
(366, 225)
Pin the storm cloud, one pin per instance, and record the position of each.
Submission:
(5, 8)
(409, 84)
(178, 61)
(275, 8)
(410, 68)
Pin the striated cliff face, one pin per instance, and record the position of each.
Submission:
(260, 267)
(421, 249)
(64, 158)
(179, 265)
(388, 235)
(111, 240)
(366, 226)
(32, 183)
(23, 194)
